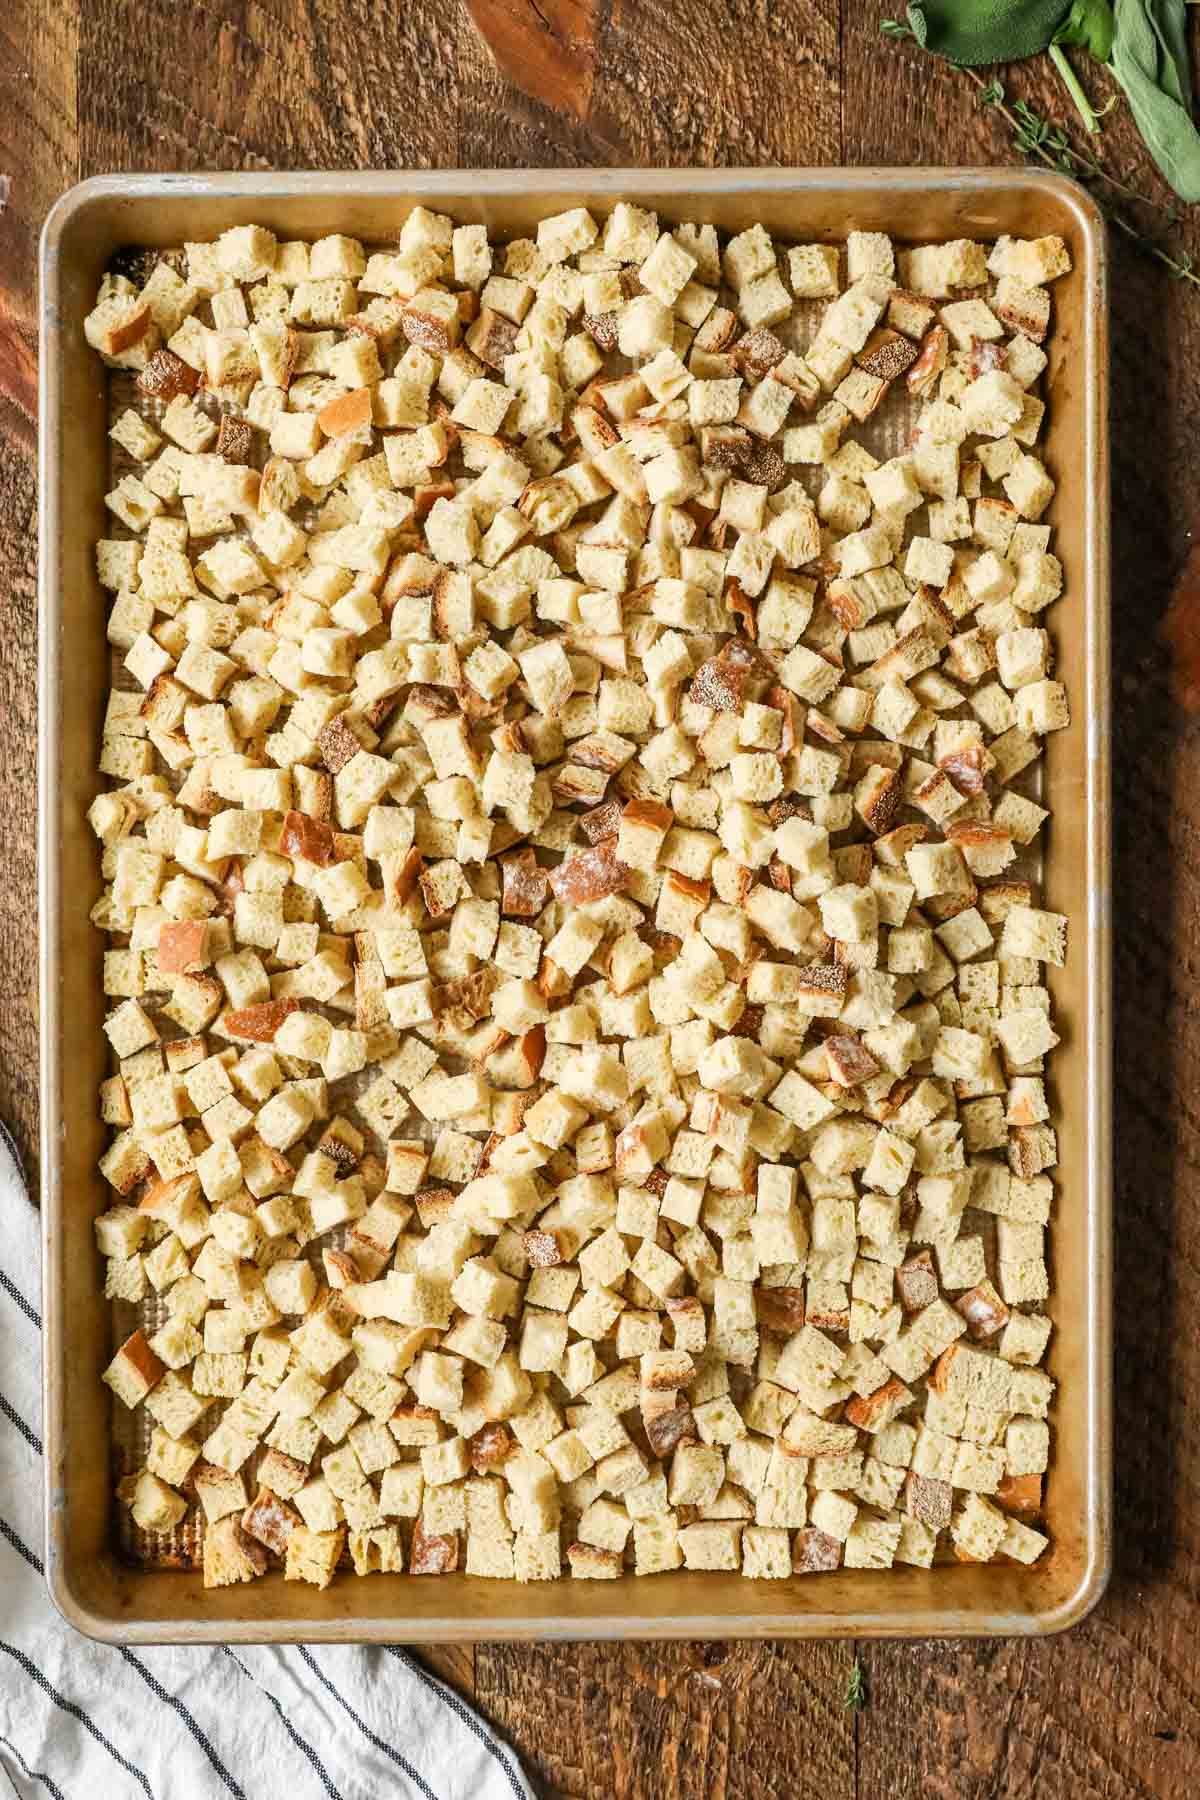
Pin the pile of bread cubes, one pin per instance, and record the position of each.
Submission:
(578, 1101)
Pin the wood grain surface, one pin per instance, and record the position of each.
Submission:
(1113, 1708)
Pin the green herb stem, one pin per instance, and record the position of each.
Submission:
(1071, 82)
(856, 1688)
(1180, 267)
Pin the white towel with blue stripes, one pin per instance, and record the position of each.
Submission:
(87, 1721)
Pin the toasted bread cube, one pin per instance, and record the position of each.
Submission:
(765, 1552)
(833, 1514)
(813, 269)
(697, 1472)
(979, 1529)
(134, 1371)
(1029, 487)
(1031, 933)
(156, 1506)
(1034, 261)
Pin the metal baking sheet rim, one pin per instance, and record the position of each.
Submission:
(106, 1600)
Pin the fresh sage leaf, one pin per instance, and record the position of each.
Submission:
(986, 31)
(1168, 21)
(1143, 61)
(1089, 24)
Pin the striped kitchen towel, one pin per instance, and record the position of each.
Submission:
(87, 1721)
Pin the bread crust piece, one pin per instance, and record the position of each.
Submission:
(492, 337)
(1021, 1494)
(603, 821)
(590, 875)
(135, 1369)
(525, 887)
(666, 1430)
(338, 745)
(235, 439)
(763, 463)
(824, 983)
(968, 768)
(879, 797)
(592, 1563)
(928, 1500)
(183, 947)
(166, 375)
(917, 1282)
(428, 330)
(887, 354)
(984, 1310)
(780, 1308)
(348, 412)
(307, 838)
(868, 1410)
(603, 329)
(270, 1521)
(934, 352)
(741, 608)
(543, 1249)
(850, 1062)
(491, 1447)
(757, 352)
(258, 1024)
(720, 682)
(432, 1553)
(814, 1552)
(666, 1370)
(724, 446)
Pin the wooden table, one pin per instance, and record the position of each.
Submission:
(99, 85)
